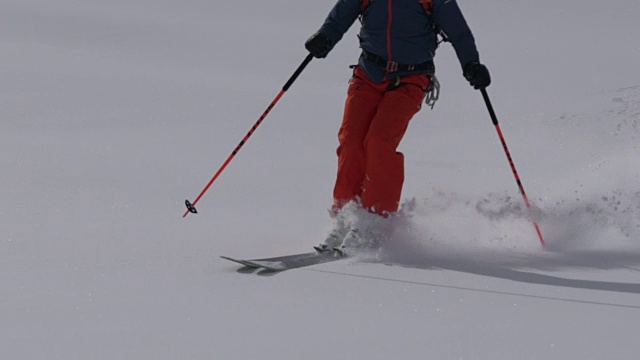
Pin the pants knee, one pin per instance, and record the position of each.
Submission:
(375, 145)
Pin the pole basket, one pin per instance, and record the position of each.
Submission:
(190, 207)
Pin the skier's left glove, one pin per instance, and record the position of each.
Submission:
(477, 75)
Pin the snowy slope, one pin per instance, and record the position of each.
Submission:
(114, 112)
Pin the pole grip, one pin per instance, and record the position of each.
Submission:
(298, 71)
(487, 102)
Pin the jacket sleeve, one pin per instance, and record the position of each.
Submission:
(448, 16)
(340, 19)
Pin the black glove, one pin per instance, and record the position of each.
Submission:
(477, 75)
(318, 45)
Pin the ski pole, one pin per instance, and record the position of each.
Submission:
(494, 118)
(191, 207)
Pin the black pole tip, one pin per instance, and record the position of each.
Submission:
(190, 207)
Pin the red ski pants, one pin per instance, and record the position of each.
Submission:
(376, 117)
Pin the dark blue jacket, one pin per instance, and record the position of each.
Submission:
(400, 31)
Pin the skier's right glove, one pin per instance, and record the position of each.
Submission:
(477, 75)
(318, 45)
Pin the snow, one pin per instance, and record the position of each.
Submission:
(114, 112)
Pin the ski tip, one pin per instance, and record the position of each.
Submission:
(238, 261)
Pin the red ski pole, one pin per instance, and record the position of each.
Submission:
(494, 118)
(191, 207)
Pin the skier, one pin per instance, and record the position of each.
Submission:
(395, 73)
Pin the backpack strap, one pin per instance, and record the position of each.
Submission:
(426, 5)
(428, 10)
(364, 4)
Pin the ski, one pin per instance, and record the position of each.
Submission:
(287, 262)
